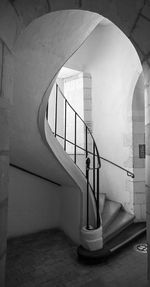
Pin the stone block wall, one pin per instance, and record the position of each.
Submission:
(147, 139)
(138, 119)
(4, 159)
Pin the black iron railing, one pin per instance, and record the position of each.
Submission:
(89, 149)
(91, 171)
(129, 173)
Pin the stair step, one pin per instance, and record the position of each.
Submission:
(123, 238)
(110, 211)
(122, 220)
(102, 197)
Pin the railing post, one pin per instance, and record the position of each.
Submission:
(87, 178)
(86, 142)
(65, 125)
(97, 199)
(95, 153)
(94, 167)
(55, 133)
(75, 138)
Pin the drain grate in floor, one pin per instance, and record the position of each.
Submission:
(141, 247)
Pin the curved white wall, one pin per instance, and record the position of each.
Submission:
(39, 53)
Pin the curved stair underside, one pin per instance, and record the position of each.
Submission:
(39, 52)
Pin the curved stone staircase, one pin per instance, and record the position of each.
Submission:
(118, 228)
(114, 227)
(39, 58)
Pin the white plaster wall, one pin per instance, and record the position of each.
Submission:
(73, 90)
(71, 212)
(34, 204)
(114, 75)
(114, 67)
(38, 59)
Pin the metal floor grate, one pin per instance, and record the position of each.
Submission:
(141, 247)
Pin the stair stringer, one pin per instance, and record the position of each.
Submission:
(90, 239)
(78, 179)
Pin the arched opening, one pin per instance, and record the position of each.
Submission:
(92, 8)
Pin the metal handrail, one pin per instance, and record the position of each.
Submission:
(129, 173)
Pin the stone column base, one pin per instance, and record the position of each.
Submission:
(92, 239)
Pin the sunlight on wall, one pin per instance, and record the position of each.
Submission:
(73, 91)
(76, 87)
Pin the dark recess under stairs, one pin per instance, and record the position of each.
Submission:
(119, 229)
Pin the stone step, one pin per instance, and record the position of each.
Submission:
(121, 221)
(102, 198)
(110, 211)
(130, 233)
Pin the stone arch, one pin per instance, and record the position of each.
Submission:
(131, 17)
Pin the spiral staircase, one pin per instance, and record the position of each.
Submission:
(105, 226)
(108, 226)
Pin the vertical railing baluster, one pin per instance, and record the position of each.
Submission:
(86, 142)
(75, 138)
(87, 177)
(65, 125)
(95, 154)
(97, 199)
(94, 167)
(55, 132)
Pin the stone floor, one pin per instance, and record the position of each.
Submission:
(49, 259)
